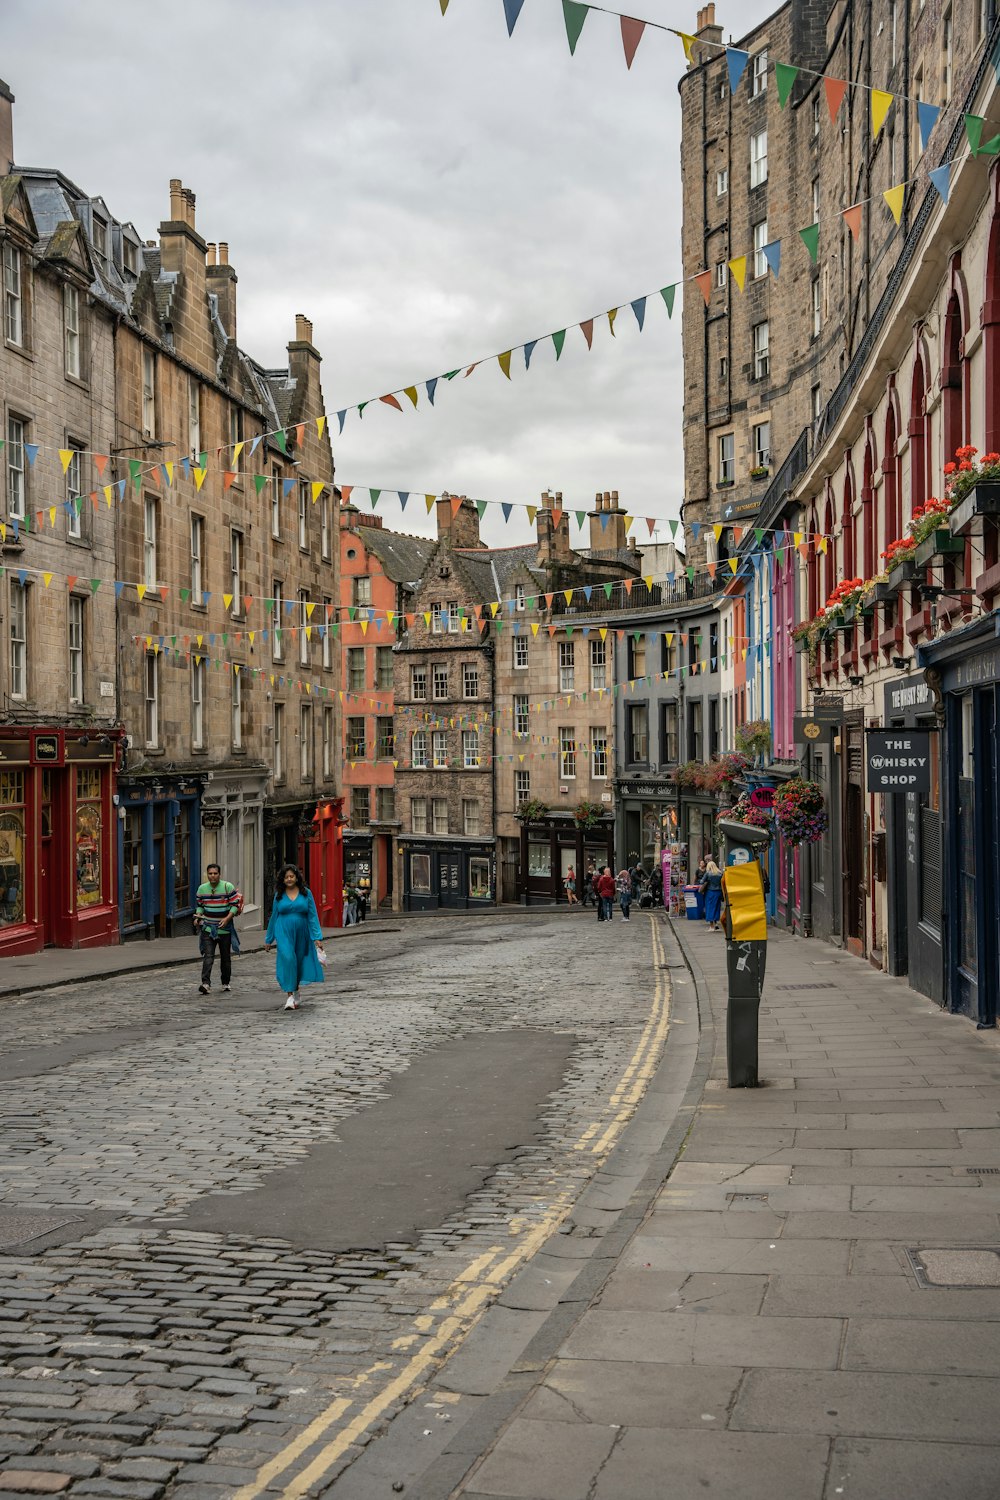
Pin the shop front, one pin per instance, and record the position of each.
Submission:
(963, 672)
(57, 885)
(552, 846)
(325, 844)
(456, 873)
(912, 820)
(232, 813)
(159, 854)
(649, 821)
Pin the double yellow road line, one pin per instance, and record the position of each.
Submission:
(471, 1291)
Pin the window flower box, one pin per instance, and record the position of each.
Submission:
(760, 473)
(940, 543)
(982, 500)
(903, 573)
(884, 592)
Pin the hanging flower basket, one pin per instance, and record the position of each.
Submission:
(800, 811)
(745, 811)
(587, 813)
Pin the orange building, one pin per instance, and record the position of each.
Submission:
(378, 572)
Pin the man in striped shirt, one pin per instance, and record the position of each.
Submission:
(216, 904)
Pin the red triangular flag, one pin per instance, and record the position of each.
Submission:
(835, 88)
(651, 523)
(228, 480)
(300, 434)
(557, 516)
(100, 463)
(345, 493)
(704, 280)
(70, 580)
(391, 401)
(631, 37)
(587, 327)
(456, 504)
(852, 218)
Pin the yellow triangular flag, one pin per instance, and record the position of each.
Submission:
(227, 600)
(568, 595)
(612, 315)
(718, 529)
(236, 455)
(738, 270)
(199, 477)
(170, 472)
(532, 511)
(604, 632)
(430, 502)
(52, 515)
(881, 102)
(494, 607)
(894, 197)
(317, 489)
(534, 627)
(822, 543)
(320, 426)
(48, 578)
(688, 42)
(796, 537)
(628, 524)
(65, 457)
(140, 589)
(310, 606)
(733, 565)
(503, 360)
(107, 493)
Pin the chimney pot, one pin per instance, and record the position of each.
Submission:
(614, 499)
(303, 329)
(210, 254)
(176, 200)
(223, 252)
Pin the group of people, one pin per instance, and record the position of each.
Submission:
(293, 930)
(601, 888)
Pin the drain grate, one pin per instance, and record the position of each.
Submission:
(755, 1198)
(983, 1171)
(965, 1269)
(821, 986)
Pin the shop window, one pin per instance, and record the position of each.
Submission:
(182, 857)
(479, 878)
(420, 874)
(11, 848)
(539, 860)
(131, 895)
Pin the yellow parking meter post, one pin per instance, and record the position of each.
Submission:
(745, 924)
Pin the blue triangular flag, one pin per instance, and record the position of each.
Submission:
(927, 116)
(287, 485)
(588, 589)
(31, 449)
(639, 308)
(119, 585)
(695, 529)
(941, 178)
(605, 518)
(186, 466)
(431, 387)
(121, 489)
(341, 417)
(772, 254)
(529, 350)
(205, 598)
(670, 578)
(404, 495)
(254, 445)
(736, 61)
(22, 574)
(512, 9)
(503, 505)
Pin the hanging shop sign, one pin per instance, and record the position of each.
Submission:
(213, 818)
(899, 760)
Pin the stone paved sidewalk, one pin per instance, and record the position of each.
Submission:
(811, 1308)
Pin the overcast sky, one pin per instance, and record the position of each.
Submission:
(425, 189)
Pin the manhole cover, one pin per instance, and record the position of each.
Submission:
(821, 986)
(956, 1268)
(19, 1228)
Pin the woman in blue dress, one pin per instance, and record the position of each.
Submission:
(294, 927)
(711, 889)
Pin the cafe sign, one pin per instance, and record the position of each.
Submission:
(899, 760)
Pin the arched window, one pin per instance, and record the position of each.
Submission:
(953, 380)
(917, 434)
(890, 472)
(830, 565)
(868, 567)
(847, 530)
(813, 600)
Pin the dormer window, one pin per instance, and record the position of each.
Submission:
(130, 257)
(519, 596)
(101, 240)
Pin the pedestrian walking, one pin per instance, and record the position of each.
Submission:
(711, 889)
(606, 891)
(217, 903)
(656, 885)
(570, 884)
(589, 886)
(350, 906)
(624, 885)
(294, 928)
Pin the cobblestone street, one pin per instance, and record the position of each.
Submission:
(144, 1352)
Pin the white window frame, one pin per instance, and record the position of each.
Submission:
(72, 342)
(361, 586)
(18, 640)
(303, 515)
(278, 738)
(276, 502)
(520, 715)
(13, 295)
(567, 666)
(17, 475)
(520, 653)
(356, 681)
(470, 679)
(598, 754)
(277, 636)
(148, 393)
(721, 274)
(303, 628)
(237, 549)
(440, 687)
(761, 350)
(436, 625)
(236, 706)
(151, 700)
(758, 158)
(305, 742)
(470, 817)
(327, 657)
(418, 750)
(817, 307)
(815, 200)
(327, 743)
(74, 489)
(725, 458)
(522, 788)
(758, 65)
(454, 623)
(75, 628)
(197, 544)
(150, 540)
(470, 749)
(324, 526)
(722, 182)
(760, 239)
(598, 664)
(439, 749)
(418, 814)
(197, 703)
(762, 449)
(418, 684)
(816, 115)
(567, 753)
(439, 815)
(383, 656)
(519, 598)
(194, 417)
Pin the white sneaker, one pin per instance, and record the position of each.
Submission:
(226, 990)
(291, 1003)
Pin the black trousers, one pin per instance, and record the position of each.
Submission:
(209, 942)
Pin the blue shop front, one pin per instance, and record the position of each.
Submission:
(962, 670)
(159, 854)
(456, 872)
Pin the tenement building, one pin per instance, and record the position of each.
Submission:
(869, 548)
(170, 532)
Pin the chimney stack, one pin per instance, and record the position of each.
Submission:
(706, 31)
(6, 129)
(460, 530)
(184, 253)
(303, 364)
(303, 329)
(221, 281)
(607, 535)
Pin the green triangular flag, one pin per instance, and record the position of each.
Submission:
(780, 555)
(784, 76)
(374, 494)
(451, 375)
(185, 595)
(990, 148)
(352, 612)
(559, 339)
(360, 408)
(758, 535)
(281, 440)
(78, 503)
(135, 472)
(95, 584)
(974, 130)
(667, 293)
(810, 238)
(581, 516)
(481, 508)
(673, 528)
(690, 573)
(259, 481)
(268, 606)
(607, 589)
(574, 15)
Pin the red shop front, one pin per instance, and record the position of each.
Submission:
(57, 882)
(325, 867)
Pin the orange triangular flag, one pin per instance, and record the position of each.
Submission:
(391, 401)
(456, 504)
(835, 89)
(228, 479)
(852, 218)
(587, 329)
(100, 463)
(631, 37)
(704, 281)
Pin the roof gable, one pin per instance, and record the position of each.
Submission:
(15, 209)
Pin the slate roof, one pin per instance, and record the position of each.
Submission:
(403, 557)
